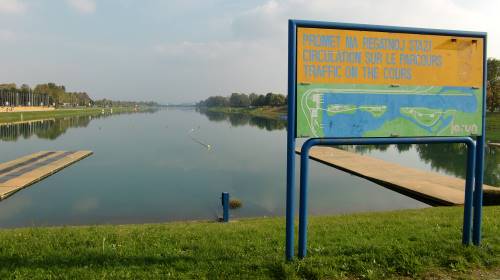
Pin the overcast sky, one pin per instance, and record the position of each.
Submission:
(182, 51)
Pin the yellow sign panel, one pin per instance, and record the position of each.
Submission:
(355, 83)
(369, 57)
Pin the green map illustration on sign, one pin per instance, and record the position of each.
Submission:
(347, 110)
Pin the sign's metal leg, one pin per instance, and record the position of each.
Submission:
(290, 189)
(304, 167)
(469, 186)
(290, 164)
(478, 191)
(469, 182)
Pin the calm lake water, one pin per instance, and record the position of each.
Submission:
(156, 167)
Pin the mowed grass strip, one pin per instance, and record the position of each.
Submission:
(58, 113)
(412, 243)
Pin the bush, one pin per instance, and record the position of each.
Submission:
(235, 203)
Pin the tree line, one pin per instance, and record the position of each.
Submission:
(57, 94)
(59, 97)
(271, 99)
(493, 86)
(116, 103)
(243, 100)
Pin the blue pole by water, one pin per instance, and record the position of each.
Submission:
(225, 207)
(290, 154)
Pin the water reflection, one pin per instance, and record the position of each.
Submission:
(452, 158)
(48, 128)
(244, 119)
(445, 158)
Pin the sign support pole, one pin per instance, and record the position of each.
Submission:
(478, 191)
(304, 158)
(290, 154)
(480, 147)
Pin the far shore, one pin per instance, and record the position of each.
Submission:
(278, 113)
(8, 109)
(19, 116)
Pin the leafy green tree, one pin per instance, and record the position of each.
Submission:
(260, 101)
(244, 100)
(274, 99)
(11, 86)
(217, 101)
(253, 98)
(25, 88)
(239, 100)
(493, 89)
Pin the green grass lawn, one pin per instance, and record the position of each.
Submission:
(58, 113)
(493, 127)
(401, 244)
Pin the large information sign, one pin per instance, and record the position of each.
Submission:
(359, 83)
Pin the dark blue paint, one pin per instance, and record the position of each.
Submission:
(225, 207)
(290, 155)
(480, 147)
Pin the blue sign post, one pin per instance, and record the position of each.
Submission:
(319, 76)
(225, 207)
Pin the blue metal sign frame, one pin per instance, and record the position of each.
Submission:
(475, 150)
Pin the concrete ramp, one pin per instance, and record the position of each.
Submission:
(22, 172)
(428, 187)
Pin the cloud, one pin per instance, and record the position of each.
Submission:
(208, 51)
(83, 6)
(225, 46)
(7, 35)
(221, 67)
(269, 20)
(251, 53)
(12, 7)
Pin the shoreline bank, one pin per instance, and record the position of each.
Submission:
(276, 113)
(11, 117)
(280, 113)
(7, 109)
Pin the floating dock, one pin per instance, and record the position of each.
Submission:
(22, 172)
(429, 187)
(491, 144)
